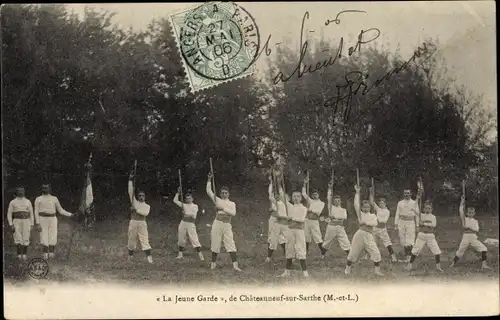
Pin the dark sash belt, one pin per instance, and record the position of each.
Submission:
(336, 222)
(20, 215)
(382, 225)
(366, 228)
(406, 218)
(282, 221)
(295, 225)
(467, 230)
(188, 219)
(46, 214)
(312, 216)
(137, 217)
(223, 218)
(426, 229)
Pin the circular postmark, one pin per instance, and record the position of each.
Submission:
(38, 268)
(219, 41)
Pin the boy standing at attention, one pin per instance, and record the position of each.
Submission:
(427, 237)
(407, 220)
(46, 207)
(187, 227)
(20, 219)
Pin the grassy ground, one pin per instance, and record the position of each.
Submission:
(100, 255)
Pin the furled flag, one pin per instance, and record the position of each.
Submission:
(87, 199)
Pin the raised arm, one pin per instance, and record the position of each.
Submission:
(372, 200)
(417, 213)
(357, 203)
(304, 193)
(60, 209)
(329, 197)
(461, 210)
(131, 188)
(210, 193)
(270, 192)
(176, 200)
(396, 216)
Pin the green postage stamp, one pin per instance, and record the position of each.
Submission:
(218, 42)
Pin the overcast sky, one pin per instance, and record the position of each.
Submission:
(466, 30)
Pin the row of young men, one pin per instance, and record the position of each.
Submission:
(408, 221)
(22, 218)
(294, 226)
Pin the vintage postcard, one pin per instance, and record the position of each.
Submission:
(250, 159)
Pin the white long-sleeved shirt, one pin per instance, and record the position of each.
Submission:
(142, 208)
(368, 219)
(338, 213)
(49, 204)
(383, 214)
(20, 205)
(228, 207)
(315, 206)
(471, 223)
(190, 209)
(427, 222)
(407, 208)
(297, 212)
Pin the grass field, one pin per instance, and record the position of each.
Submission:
(100, 255)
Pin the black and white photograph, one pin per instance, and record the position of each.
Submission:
(249, 159)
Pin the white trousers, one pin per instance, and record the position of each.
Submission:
(382, 235)
(272, 221)
(48, 236)
(312, 231)
(295, 244)
(278, 234)
(406, 231)
(428, 239)
(188, 230)
(222, 232)
(138, 231)
(470, 239)
(22, 232)
(361, 241)
(336, 232)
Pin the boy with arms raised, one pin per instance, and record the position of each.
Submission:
(314, 209)
(380, 231)
(187, 227)
(279, 227)
(363, 238)
(469, 238)
(335, 228)
(222, 230)
(295, 237)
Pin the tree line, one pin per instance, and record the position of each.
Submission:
(79, 85)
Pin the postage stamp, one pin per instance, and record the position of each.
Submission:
(218, 42)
